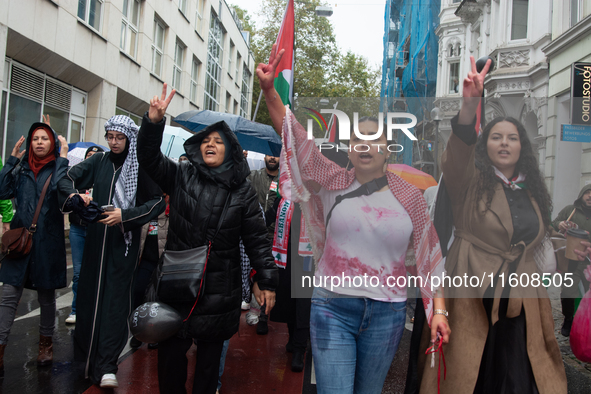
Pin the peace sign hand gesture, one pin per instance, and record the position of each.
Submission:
(472, 92)
(474, 82)
(158, 105)
(266, 72)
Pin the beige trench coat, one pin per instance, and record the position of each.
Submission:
(483, 245)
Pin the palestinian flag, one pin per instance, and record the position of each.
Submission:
(284, 72)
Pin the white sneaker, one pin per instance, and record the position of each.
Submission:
(109, 380)
(251, 318)
(245, 306)
(71, 319)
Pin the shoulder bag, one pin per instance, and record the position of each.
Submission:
(182, 272)
(17, 243)
(364, 190)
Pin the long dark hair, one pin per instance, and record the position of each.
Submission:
(527, 164)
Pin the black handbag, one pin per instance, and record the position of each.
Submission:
(182, 273)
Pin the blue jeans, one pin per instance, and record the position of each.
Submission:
(223, 362)
(77, 239)
(353, 341)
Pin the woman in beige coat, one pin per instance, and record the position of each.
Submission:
(500, 208)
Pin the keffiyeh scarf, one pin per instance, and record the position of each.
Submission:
(516, 183)
(126, 186)
(302, 162)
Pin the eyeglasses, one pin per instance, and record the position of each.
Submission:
(113, 138)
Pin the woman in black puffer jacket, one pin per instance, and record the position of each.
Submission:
(198, 190)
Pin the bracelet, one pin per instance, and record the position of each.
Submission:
(440, 312)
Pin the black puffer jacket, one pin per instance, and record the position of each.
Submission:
(196, 203)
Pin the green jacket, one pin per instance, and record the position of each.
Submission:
(579, 217)
(6, 207)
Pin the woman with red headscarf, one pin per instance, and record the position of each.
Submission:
(44, 268)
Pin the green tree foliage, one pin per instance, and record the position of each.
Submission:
(321, 69)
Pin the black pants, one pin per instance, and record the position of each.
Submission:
(298, 323)
(172, 366)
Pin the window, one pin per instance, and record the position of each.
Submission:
(91, 12)
(136, 118)
(576, 8)
(157, 47)
(235, 107)
(199, 16)
(230, 56)
(129, 27)
(454, 77)
(228, 103)
(519, 19)
(238, 61)
(183, 6)
(214, 68)
(244, 92)
(32, 94)
(194, 79)
(454, 49)
(177, 68)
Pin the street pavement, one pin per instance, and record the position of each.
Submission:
(244, 371)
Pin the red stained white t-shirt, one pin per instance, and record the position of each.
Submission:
(366, 240)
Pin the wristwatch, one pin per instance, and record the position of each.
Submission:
(440, 312)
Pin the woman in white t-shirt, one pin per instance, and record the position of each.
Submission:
(359, 301)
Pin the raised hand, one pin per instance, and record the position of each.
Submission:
(266, 72)
(63, 145)
(472, 92)
(158, 105)
(46, 119)
(474, 82)
(16, 152)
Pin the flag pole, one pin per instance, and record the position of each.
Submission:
(330, 122)
(256, 110)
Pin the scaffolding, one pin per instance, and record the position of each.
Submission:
(409, 69)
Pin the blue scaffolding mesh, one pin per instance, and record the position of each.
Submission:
(409, 68)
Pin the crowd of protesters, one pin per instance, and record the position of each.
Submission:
(130, 203)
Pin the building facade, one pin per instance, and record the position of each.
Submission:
(409, 70)
(567, 164)
(84, 61)
(513, 33)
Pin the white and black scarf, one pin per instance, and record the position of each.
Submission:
(126, 186)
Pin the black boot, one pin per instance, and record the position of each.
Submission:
(262, 327)
(568, 310)
(2, 347)
(566, 326)
(297, 362)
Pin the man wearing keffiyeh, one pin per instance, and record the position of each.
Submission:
(111, 250)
